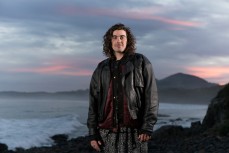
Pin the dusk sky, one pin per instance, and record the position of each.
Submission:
(55, 45)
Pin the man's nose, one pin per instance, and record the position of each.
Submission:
(119, 38)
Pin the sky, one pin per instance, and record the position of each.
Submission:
(55, 45)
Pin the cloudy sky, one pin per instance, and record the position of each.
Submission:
(55, 45)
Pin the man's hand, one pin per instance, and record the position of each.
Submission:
(144, 137)
(95, 144)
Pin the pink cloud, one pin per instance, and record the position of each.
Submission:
(47, 69)
(147, 16)
(130, 14)
(216, 74)
(56, 70)
(77, 73)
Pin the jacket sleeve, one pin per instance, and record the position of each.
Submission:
(150, 97)
(92, 121)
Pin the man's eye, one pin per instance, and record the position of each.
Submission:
(121, 37)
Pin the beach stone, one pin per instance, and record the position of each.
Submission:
(196, 124)
(60, 139)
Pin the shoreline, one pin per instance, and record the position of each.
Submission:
(170, 138)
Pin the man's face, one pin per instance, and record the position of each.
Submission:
(119, 41)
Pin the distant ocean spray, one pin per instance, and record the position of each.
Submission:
(29, 133)
(30, 123)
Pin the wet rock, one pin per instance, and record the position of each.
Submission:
(60, 139)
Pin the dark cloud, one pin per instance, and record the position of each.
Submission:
(65, 37)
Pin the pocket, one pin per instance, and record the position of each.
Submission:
(139, 81)
(139, 84)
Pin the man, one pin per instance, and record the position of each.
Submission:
(123, 96)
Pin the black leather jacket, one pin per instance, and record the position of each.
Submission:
(140, 88)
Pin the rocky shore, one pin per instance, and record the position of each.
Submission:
(210, 136)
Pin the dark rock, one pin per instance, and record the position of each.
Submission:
(3, 147)
(218, 109)
(196, 124)
(196, 127)
(60, 139)
(168, 131)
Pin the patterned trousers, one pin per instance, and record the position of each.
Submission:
(125, 140)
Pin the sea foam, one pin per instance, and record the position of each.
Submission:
(27, 133)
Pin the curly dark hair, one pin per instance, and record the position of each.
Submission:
(107, 46)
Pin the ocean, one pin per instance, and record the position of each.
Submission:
(30, 123)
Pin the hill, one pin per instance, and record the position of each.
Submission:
(185, 88)
(78, 94)
(184, 81)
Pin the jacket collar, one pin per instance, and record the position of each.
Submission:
(127, 63)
